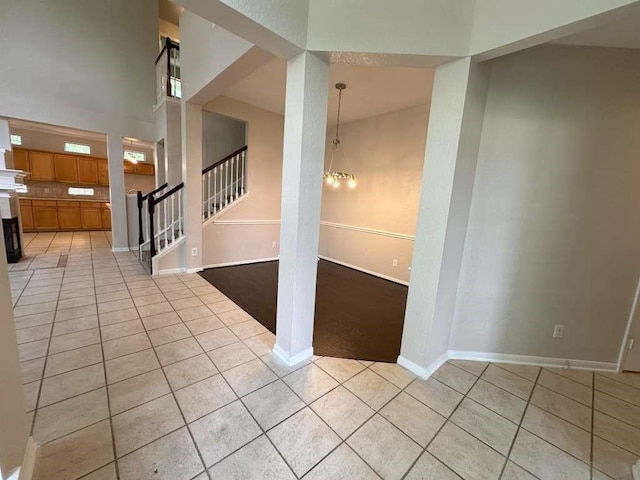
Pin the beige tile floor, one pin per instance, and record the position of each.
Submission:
(132, 377)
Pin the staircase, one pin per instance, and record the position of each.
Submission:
(161, 221)
(224, 183)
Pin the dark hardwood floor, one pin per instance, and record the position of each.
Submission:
(357, 315)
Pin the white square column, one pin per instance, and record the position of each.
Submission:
(305, 130)
(117, 193)
(192, 177)
(453, 140)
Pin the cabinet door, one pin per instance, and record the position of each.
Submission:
(21, 160)
(106, 218)
(144, 169)
(69, 218)
(41, 164)
(103, 172)
(26, 217)
(66, 167)
(87, 171)
(91, 218)
(45, 218)
(129, 167)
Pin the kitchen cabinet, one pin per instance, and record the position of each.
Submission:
(129, 167)
(45, 215)
(87, 170)
(69, 216)
(103, 172)
(42, 166)
(21, 160)
(145, 169)
(106, 217)
(66, 168)
(26, 214)
(91, 216)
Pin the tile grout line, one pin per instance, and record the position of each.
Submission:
(106, 382)
(515, 437)
(184, 420)
(447, 419)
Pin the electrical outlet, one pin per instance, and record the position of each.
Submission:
(395, 262)
(194, 252)
(558, 331)
(274, 244)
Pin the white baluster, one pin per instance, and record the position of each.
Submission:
(215, 187)
(226, 184)
(209, 193)
(243, 173)
(235, 187)
(166, 224)
(173, 217)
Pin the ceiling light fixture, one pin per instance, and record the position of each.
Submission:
(333, 177)
(128, 154)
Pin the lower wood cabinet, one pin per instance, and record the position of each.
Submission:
(45, 215)
(91, 218)
(63, 215)
(69, 216)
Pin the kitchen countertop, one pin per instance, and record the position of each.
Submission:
(50, 199)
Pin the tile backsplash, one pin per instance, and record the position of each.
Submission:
(57, 190)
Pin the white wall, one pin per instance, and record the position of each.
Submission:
(13, 428)
(221, 136)
(244, 239)
(433, 27)
(386, 154)
(86, 64)
(553, 236)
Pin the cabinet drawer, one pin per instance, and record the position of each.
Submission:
(65, 203)
(90, 204)
(45, 203)
(25, 202)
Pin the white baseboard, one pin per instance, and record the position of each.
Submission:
(171, 271)
(296, 359)
(533, 360)
(120, 249)
(193, 270)
(421, 371)
(241, 262)
(29, 461)
(364, 270)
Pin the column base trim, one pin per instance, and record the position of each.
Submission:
(290, 361)
(421, 371)
(29, 462)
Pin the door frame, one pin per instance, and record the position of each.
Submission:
(624, 348)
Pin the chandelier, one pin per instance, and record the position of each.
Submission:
(331, 176)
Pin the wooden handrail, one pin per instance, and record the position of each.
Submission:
(168, 45)
(153, 192)
(155, 201)
(228, 157)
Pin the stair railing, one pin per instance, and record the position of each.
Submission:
(166, 219)
(143, 213)
(168, 71)
(224, 182)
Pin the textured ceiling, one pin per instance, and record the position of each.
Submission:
(371, 90)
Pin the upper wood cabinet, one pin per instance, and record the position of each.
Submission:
(87, 170)
(129, 167)
(145, 169)
(21, 160)
(103, 172)
(66, 167)
(41, 165)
